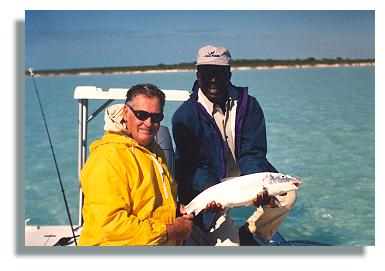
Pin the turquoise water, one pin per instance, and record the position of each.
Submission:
(320, 127)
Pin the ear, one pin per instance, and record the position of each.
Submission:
(125, 111)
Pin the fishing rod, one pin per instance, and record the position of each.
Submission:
(53, 154)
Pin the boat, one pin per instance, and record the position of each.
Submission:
(68, 235)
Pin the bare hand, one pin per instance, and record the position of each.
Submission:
(180, 230)
(213, 206)
(263, 198)
(259, 199)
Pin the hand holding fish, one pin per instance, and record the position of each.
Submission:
(180, 229)
(213, 206)
(259, 199)
(263, 198)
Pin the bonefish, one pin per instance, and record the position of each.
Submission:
(241, 191)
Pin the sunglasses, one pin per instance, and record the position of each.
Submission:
(143, 115)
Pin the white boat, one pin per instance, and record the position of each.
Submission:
(63, 235)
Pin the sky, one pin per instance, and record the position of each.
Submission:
(81, 39)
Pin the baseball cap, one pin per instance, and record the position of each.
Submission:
(213, 55)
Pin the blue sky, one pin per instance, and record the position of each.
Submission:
(81, 39)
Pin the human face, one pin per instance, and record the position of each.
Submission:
(142, 131)
(214, 82)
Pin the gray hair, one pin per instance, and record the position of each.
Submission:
(149, 90)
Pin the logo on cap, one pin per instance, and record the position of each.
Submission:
(211, 54)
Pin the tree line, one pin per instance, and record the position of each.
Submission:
(252, 63)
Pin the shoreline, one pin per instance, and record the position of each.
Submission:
(241, 68)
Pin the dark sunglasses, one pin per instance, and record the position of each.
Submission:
(143, 115)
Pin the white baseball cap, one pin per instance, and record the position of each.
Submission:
(213, 55)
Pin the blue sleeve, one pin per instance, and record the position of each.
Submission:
(253, 150)
(192, 170)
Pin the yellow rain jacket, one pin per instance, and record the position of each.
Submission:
(129, 194)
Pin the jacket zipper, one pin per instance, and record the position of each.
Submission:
(161, 171)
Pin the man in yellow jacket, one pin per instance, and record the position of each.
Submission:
(129, 193)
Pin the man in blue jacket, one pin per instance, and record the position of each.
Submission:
(220, 132)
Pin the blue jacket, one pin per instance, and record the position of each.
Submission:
(199, 161)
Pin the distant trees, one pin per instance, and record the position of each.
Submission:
(253, 63)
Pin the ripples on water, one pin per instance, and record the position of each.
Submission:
(320, 127)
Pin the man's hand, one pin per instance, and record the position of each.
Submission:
(180, 230)
(263, 199)
(213, 206)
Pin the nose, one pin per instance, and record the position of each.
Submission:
(213, 78)
(148, 122)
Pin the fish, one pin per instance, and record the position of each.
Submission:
(241, 191)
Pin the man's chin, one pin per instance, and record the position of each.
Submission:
(214, 98)
(213, 91)
(215, 95)
(145, 140)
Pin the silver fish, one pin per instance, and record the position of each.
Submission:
(241, 191)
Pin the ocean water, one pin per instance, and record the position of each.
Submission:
(320, 128)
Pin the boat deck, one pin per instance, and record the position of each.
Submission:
(50, 235)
